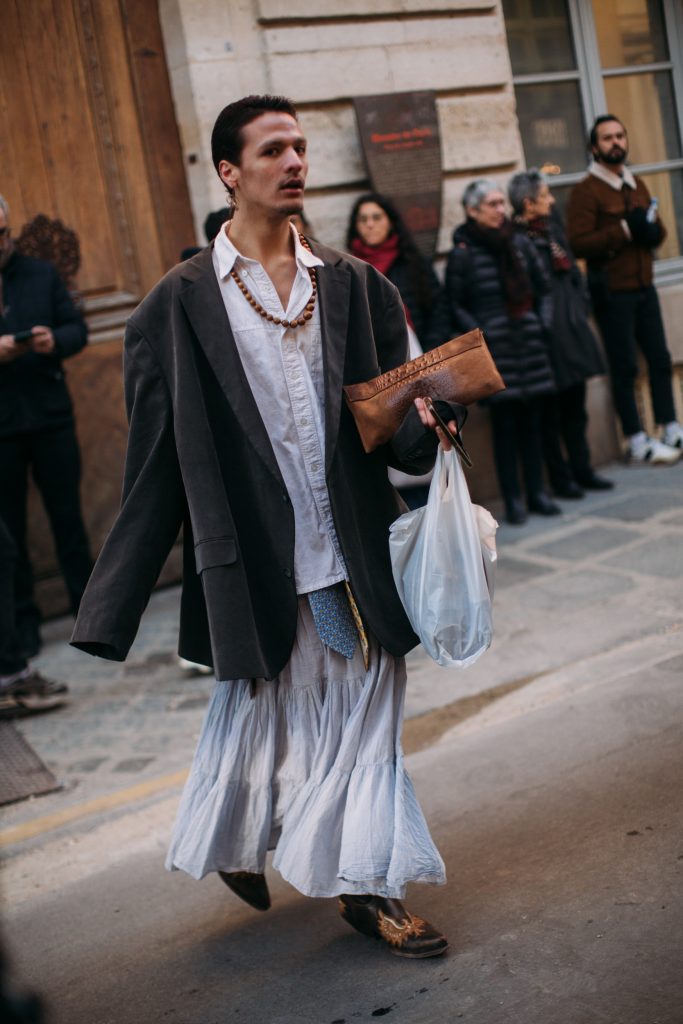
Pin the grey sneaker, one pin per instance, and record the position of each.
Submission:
(673, 436)
(655, 452)
(31, 695)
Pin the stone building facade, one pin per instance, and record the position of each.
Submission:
(323, 55)
(112, 136)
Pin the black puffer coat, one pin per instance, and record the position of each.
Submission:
(476, 299)
(574, 351)
(431, 327)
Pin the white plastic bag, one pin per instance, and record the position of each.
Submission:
(443, 558)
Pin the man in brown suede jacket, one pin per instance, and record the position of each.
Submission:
(613, 223)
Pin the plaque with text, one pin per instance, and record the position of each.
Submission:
(400, 138)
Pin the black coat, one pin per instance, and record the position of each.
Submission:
(573, 349)
(476, 299)
(199, 453)
(432, 326)
(33, 391)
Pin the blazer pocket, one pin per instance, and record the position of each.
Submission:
(210, 553)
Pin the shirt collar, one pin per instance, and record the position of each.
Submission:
(615, 181)
(227, 254)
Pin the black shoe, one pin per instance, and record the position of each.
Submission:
(542, 505)
(593, 482)
(389, 921)
(249, 886)
(515, 513)
(568, 490)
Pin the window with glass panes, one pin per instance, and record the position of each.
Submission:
(573, 60)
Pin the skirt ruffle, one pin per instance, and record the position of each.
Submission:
(310, 765)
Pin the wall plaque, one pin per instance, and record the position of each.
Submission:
(400, 138)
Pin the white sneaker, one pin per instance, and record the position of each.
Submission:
(673, 435)
(655, 452)
(192, 668)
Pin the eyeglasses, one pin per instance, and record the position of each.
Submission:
(363, 218)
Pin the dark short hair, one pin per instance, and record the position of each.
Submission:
(214, 222)
(226, 137)
(603, 119)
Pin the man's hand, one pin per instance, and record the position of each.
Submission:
(43, 341)
(9, 349)
(643, 231)
(429, 421)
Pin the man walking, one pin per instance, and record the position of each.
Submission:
(613, 223)
(234, 366)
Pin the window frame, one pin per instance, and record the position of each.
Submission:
(589, 74)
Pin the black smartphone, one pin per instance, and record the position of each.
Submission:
(21, 336)
(453, 438)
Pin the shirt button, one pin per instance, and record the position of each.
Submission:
(288, 573)
(303, 422)
(285, 497)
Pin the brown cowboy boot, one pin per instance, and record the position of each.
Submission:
(388, 920)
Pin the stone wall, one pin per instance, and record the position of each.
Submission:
(218, 51)
(323, 54)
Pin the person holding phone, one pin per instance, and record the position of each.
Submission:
(39, 327)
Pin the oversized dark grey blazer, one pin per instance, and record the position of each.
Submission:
(199, 456)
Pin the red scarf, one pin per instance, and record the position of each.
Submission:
(382, 257)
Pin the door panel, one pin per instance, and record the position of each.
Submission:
(88, 135)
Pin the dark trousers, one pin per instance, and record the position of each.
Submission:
(629, 320)
(517, 434)
(54, 460)
(564, 420)
(11, 658)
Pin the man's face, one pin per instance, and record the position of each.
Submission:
(271, 174)
(612, 143)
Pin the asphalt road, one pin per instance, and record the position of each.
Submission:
(557, 808)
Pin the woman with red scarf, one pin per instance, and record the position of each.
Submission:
(378, 236)
(495, 281)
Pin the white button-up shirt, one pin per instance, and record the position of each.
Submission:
(284, 368)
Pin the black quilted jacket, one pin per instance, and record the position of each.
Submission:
(476, 298)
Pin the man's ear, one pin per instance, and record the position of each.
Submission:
(228, 173)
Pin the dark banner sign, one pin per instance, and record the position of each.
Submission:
(400, 138)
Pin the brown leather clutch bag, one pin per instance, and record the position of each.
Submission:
(461, 371)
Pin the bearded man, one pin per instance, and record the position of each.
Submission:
(613, 223)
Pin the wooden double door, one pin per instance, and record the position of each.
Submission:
(88, 135)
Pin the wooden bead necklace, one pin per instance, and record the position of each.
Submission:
(302, 318)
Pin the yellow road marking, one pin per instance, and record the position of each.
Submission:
(49, 822)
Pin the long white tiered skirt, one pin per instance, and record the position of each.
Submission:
(309, 764)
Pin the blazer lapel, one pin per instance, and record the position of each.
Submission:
(334, 285)
(202, 301)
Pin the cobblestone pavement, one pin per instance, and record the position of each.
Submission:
(606, 572)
